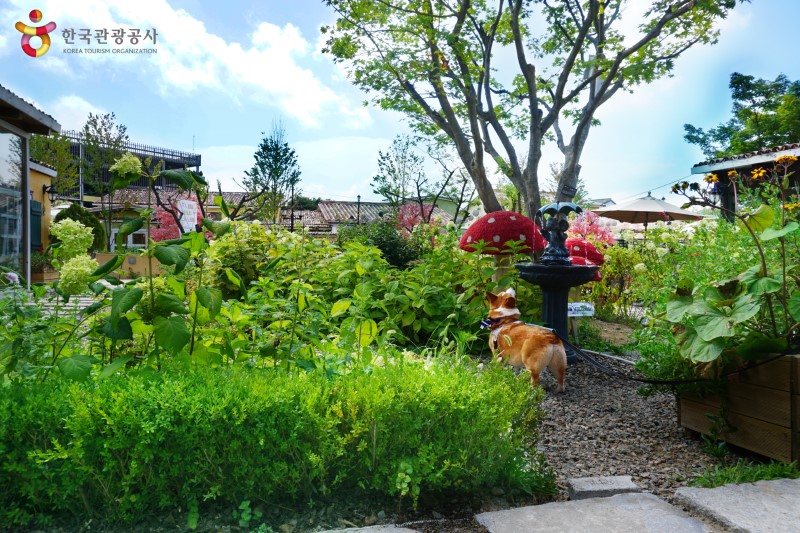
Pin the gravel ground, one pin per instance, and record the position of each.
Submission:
(601, 426)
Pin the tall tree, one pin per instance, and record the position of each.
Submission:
(437, 61)
(274, 175)
(765, 113)
(102, 143)
(399, 169)
(56, 150)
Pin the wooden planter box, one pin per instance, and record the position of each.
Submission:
(763, 406)
(44, 277)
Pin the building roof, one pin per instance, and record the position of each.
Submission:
(25, 116)
(364, 212)
(747, 159)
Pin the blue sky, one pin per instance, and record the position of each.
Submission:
(226, 71)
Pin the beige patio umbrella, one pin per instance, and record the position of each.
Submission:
(646, 210)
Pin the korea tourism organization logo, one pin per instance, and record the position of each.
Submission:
(42, 32)
(86, 40)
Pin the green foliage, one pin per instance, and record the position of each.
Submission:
(74, 239)
(765, 113)
(744, 471)
(274, 175)
(397, 248)
(76, 212)
(574, 52)
(141, 443)
(56, 150)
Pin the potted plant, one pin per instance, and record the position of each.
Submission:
(41, 268)
(740, 330)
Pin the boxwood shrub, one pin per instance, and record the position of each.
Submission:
(144, 443)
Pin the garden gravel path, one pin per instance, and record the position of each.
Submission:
(601, 427)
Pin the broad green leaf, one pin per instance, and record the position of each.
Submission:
(340, 307)
(366, 332)
(756, 345)
(121, 331)
(75, 368)
(745, 307)
(211, 299)
(92, 308)
(198, 313)
(181, 177)
(219, 201)
(198, 242)
(793, 305)
(173, 255)
(217, 228)
(177, 287)
(771, 233)
(698, 350)
(171, 304)
(115, 365)
(761, 218)
(122, 301)
(129, 226)
(757, 283)
(171, 333)
(109, 266)
(237, 280)
(710, 327)
(301, 302)
(677, 307)
(179, 240)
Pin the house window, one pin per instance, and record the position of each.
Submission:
(10, 200)
(134, 240)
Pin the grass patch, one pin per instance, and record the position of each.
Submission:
(746, 472)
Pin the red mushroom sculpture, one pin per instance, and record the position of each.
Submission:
(496, 229)
(499, 227)
(578, 247)
(584, 253)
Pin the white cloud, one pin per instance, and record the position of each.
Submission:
(266, 69)
(337, 168)
(71, 111)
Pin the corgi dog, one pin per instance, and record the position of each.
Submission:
(522, 345)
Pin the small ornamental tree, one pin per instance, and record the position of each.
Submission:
(167, 225)
(410, 215)
(587, 226)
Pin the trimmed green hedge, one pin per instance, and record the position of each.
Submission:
(134, 444)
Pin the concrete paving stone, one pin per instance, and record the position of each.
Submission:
(373, 529)
(764, 506)
(582, 488)
(623, 513)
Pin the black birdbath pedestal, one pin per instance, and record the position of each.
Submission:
(555, 273)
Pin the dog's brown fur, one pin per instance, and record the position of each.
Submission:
(521, 345)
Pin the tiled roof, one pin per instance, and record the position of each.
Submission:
(765, 154)
(365, 212)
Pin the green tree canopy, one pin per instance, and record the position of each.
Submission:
(765, 113)
(274, 175)
(55, 150)
(498, 78)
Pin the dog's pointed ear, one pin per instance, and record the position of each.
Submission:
(491, 297)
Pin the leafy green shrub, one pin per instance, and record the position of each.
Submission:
(76, 212)
(745, 472)
(139, 443)
(397, 249)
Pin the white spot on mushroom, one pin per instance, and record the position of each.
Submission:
(577, 248)
(496, 238)
(469, 238)
(490, 221)
(512, 217)
(522, 237)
